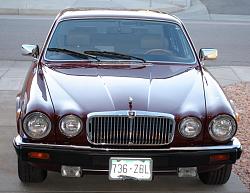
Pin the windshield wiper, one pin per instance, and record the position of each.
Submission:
(73, 53)
(113, 55)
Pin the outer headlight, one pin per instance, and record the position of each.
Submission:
(222, 128)
(70, 125)
(37, 125)
(190, 127)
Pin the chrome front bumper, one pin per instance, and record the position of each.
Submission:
(233, 144)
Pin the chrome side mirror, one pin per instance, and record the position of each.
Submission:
(208, 54)
(30, 50)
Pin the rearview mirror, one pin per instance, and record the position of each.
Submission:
(208, 54)
(30, 50)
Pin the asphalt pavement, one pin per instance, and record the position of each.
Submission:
(206, 11)
(52, 7)
(232, 7)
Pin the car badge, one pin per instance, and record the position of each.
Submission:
(131, 113)
(130, 103)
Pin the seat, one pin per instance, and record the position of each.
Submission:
(152, 42)
(155, 44)
(77, 40)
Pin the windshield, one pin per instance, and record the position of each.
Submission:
(141, 39)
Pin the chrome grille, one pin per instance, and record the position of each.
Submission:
(117, 128)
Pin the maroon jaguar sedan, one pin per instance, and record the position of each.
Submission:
(123, 92)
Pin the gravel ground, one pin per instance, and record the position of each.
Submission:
(240, 94)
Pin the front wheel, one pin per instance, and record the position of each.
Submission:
(216, 177)
(30, 174)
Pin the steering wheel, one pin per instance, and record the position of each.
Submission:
(159, 51)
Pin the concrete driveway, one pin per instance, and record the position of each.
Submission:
(11, 77)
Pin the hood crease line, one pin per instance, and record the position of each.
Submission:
(107, 90)
(149, 88)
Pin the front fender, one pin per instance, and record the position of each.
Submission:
(35, 96)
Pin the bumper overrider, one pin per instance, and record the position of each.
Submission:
(97, 159)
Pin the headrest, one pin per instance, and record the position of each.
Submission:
(77, 38)
(152, 42)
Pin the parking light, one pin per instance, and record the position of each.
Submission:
(39, 155)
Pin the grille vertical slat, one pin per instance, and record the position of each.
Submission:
(122, 130)
(104, 129)
(137, 131)
(162, 133)
(98, 130)
(119, 126)
(163, 130)
(140, 126)
(92, 126)
(151, 123)
(155, 131)
(165, 136)
(159, 132)
(152, 130)
(101, 130)
(113, 130)
(133, 131)
(116, 127)
(146, 130)
(143, 131)
(149, 131)
(127, 129)
(110, 127)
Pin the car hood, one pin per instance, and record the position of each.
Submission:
(174, 89)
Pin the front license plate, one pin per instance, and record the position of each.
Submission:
(130, 168)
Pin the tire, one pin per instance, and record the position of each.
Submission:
(30, 174)
(216, 177)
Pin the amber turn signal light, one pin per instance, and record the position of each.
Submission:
(219, 157)
(237, 117)
(38, 155)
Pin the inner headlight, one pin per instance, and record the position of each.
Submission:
(70, 125)
(190, 127)
(222, 128)
(37, 125)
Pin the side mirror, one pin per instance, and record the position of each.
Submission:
(208, 54)
(30, 50)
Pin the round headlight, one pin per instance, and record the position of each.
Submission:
(190, 127)
(70, 125)
(37, 125)
(222, 128)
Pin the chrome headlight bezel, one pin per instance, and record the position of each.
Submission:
(229, 135)
(66, 131)
(189, 120)
(32, 116)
